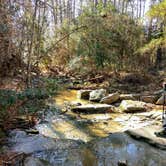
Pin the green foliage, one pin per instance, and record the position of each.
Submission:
(152, 46)
(33, 93)
(33, 98)
(111, 40)
(7, 99)
(158, 11)
(51, 86)
(32, 106)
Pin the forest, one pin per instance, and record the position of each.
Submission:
(82, 82)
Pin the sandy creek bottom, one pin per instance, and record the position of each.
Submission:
(72, 139)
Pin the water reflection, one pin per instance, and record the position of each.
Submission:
(100, 152)
(121, 147)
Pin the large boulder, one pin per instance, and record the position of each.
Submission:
(129, 96)
(97, 95)
(111, 98)
(83, 94)
(93, 108)
(131, 106)
(161, 101)
(149, 99)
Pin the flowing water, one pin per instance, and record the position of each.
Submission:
(70, 139)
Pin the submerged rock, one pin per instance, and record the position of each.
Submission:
(111, 98)
(97, 95)
(93, 108)
(132, 106)
(34, 143)
(83, 94)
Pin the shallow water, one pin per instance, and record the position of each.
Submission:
(119, 146)
(100, 152)
(72, 139)
(68, 96)
(75, 126)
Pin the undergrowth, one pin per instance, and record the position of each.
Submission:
(27, 102)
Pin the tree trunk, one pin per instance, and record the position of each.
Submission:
(60, 11)
(30, 51)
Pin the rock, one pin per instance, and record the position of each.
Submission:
(117, 104)
(132, 106)
(32, 131)
(122, 163)
(71, 104)
(111, 98)
(37, 143)
(129, 96)
(97, 95)
(83, 94)
(97, 117)
(31, 161)
(148, 99)
(93, 108)
(32, 144)
(157, 116)
(147, 134)
(160, 101)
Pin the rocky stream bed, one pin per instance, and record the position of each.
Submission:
(106, 130)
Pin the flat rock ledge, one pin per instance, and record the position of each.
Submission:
(147, 134)
(93, 108)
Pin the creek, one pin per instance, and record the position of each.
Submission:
(71, 139)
